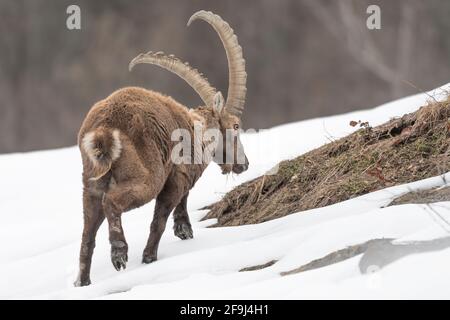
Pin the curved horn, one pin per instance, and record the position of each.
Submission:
(236, 63)
(194, 78)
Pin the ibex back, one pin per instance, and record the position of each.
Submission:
(126, 146)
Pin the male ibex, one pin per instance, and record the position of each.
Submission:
(125, 143)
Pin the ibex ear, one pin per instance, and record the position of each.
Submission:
(218, 103)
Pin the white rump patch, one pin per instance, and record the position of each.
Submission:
(117, 145)
(88, 145)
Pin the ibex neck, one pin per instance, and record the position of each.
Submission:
(206, 116)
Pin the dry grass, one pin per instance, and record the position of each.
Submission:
(406, 149)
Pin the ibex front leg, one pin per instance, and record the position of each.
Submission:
(182, 226)
(169, 197)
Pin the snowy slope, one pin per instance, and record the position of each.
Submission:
(41, 214)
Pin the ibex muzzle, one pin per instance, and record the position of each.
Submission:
(125, 143)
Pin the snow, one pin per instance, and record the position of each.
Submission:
(40, 205)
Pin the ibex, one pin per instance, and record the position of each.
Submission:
(125, 143)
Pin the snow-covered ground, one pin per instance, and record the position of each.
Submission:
(41, 223)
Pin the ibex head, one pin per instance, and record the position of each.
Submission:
(224, 115)
(229, 153)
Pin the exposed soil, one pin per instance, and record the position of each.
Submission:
(406, 149)
(376, 254)
(259, 267)
(423, 196)
(338, 256)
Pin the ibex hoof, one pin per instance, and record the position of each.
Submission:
(148, 259)
(183, 231)
(119, 256)
(82, 283)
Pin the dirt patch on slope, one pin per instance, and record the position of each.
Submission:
(423, 196)
(376, 254)
(339, 256)
(406, 149)
(259, 266)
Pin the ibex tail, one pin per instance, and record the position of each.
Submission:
(102, 146)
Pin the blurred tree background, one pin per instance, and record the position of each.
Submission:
(305, 58)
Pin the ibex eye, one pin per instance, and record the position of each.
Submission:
(236, 126)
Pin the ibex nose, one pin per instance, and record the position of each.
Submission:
(239, 168)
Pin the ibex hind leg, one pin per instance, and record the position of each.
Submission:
(93, 218)
(133, 185)
(123, 197)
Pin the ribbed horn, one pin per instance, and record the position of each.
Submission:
(236, 63)
(183, 70)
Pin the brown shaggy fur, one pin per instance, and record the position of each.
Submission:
(125, 143)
